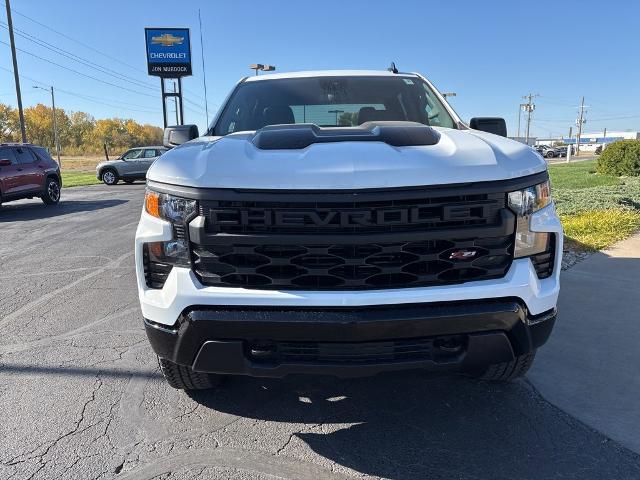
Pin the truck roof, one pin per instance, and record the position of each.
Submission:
(328, 73)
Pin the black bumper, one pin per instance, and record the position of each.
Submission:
(275, 342)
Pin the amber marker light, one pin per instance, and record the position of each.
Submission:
(152, 203)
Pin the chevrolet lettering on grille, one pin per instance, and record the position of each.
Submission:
(231, 217)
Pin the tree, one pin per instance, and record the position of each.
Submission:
(8, 123)
(79, 132)
(81, 126)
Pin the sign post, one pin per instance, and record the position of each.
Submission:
(169, 56)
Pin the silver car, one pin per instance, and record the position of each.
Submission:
(130, 166)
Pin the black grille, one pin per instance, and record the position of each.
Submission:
(372, 239)
(155, 272)
(359, 215)
(353, 266)
(358, 353)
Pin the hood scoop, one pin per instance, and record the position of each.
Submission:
(299, 136)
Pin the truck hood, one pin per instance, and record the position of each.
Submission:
(233, 161)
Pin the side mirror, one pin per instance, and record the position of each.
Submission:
(5, 162)
(179, 134)
(493, 125)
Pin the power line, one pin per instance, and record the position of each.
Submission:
(85, 45)
(76, 41)
(108, 71)
(88, 97)
(80, 73)
(76, 58)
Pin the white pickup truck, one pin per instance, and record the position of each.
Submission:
(346, 223)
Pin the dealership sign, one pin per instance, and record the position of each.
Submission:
(168, 52)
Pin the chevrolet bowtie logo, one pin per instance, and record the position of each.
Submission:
(167, 39)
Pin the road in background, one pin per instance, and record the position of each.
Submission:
(81, 395)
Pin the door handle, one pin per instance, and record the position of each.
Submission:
(41, 166)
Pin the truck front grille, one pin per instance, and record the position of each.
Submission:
(353, 266)
(374, 239)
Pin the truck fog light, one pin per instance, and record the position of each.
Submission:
(173, 252)
(527, 242)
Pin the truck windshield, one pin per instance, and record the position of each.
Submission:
(340, 101)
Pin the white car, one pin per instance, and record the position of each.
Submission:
(346, 223)
(132, 165)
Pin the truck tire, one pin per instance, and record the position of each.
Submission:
(184, 378)
(51, 194)
(507, 371)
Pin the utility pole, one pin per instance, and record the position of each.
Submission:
(54, 121)
(580, 122)
(519, 117)
(16, 75)
(529, 107)
(56, 136)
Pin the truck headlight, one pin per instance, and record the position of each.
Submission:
(168, 207)
(178, 211)
(525, 202)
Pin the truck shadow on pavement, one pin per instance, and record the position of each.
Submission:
(22, 212)
(412, 425)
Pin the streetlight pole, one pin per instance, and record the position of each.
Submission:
(16, 75)
(56, 138)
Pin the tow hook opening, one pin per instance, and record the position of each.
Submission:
(451, 344)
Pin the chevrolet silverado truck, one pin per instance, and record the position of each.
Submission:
(346, 223)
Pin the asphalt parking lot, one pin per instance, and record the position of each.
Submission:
(81, 395)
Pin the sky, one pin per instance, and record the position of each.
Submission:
(490, 53)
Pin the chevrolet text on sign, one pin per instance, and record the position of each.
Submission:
(168, 52)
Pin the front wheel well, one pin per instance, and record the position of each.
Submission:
(55, 176)
(106, 169)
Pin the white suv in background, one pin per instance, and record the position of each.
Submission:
(130, 166)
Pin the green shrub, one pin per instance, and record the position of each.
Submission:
(621, 158)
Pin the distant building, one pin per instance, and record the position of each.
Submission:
(590, 141)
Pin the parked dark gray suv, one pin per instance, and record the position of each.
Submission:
(130, 166)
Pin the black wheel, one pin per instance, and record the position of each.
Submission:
(507, 371)
(129, 182)
(550, 155)
(51, 194)
(110, 176)
(184, 378)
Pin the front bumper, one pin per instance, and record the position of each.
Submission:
(213, 328)
(459, 336)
